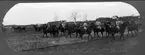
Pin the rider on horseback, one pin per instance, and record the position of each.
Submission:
(85, 25)
(98, 24)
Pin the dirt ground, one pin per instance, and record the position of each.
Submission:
(94, 47)
(130, 46)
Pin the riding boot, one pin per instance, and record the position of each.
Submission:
(94, 34)
(102, 35)
(113, 36)
(88, 37)
(91, 36)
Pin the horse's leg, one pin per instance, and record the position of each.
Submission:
(67, 35)
(106, 34)
(45, 35)
(36, 29)
(42, 34)
(54, 35)
(64, 33)
(137, 32)
(81, 36)
(50, 34)
(61, 33)
(57, 33)
(132, 33)
(128, 33)
(98, 34)
(25, 30)
(70, 34)
(113, 36)
(94, 33)
(90, 35)
(76, 35)
(122, 36)
(102, 34)
(39, 29)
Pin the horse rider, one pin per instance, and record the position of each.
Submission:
(85, 25)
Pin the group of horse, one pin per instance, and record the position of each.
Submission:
(109, 26)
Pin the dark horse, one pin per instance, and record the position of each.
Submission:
(62, 28)
(97, 28)
(52, 29)
(37, 28)
(19, 28)
(133, 27)
(70, 29)
(81, 30)
(113, 29)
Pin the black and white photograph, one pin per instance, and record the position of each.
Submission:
(72, 28)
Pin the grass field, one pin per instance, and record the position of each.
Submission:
(31, 42)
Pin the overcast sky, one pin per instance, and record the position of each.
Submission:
(31, 13)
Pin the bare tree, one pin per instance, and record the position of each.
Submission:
(74, 16)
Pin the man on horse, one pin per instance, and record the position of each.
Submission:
(118, 22)
(98, 24)
(63, 24)
(85, 25)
